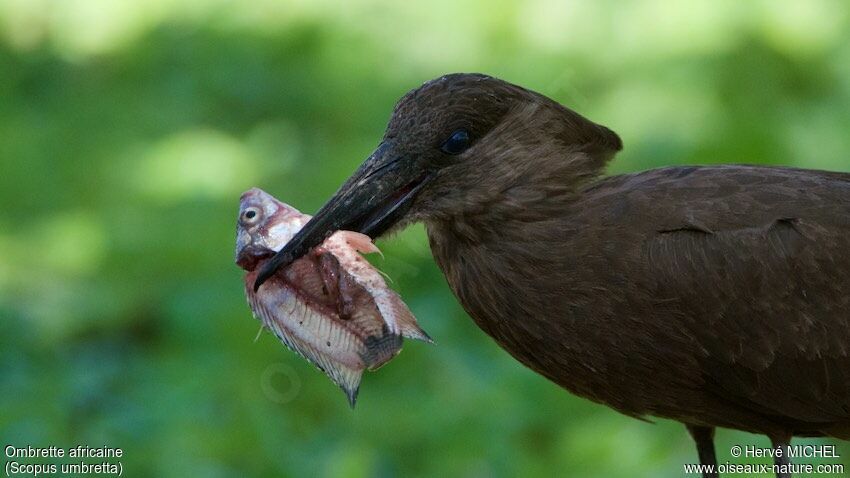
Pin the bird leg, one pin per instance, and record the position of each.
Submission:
(704, 438)
(781, 458)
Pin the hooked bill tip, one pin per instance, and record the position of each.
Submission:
(257, 283)
(266, 270)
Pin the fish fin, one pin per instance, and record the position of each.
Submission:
(345, 377)
(352, 395)
(360, 242)
(405, 320)
(381, 349)
(386, 276)
(413, 331)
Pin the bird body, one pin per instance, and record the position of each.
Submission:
(710, 295)
(718, 296)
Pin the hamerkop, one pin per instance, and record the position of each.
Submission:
(717, 296)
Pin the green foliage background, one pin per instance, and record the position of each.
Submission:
(129, 129)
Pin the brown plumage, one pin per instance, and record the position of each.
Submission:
(716, 296)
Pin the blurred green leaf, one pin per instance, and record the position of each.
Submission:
(128, 130)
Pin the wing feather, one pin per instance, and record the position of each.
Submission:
(763, 285)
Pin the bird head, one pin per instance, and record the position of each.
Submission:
(460, 145)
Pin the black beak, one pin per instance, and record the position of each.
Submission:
(374, 198)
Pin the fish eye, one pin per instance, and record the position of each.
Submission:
(251, 214)
(457, 142)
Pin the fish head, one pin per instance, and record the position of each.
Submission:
(264, 226)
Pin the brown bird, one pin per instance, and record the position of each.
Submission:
(717, 296)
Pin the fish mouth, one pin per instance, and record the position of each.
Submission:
(251, 255)
(370, 202)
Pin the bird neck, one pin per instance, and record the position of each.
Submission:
(499, 277)
(486, 257)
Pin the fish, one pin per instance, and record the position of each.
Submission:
(331, 307)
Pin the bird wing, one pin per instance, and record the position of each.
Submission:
(756, 262)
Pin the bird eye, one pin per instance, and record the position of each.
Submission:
(251, 214)
(457, 142)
